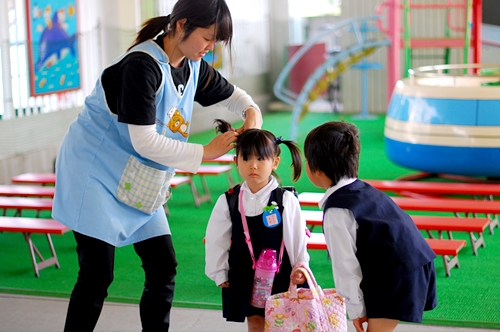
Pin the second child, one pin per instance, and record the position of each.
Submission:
(382, 265)
(228, 258)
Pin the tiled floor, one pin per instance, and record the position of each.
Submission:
(30, 313)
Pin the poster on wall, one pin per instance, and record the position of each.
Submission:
(214, 58)
(53, 46)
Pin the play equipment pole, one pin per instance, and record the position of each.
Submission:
(406, 14)
(393, 66)
(477, 19)
(468, 24)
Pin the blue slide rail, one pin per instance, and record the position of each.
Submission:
(299, 100)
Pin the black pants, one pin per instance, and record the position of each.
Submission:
(96, 260)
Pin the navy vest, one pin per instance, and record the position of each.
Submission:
(237, 297)
(388, 242)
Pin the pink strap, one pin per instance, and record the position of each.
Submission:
(247, 235)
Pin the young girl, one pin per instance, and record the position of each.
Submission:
(117, 158)
(228, 259)
(382, 265)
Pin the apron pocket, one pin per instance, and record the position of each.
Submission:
(142, 187)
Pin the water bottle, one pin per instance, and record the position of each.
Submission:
(265, 269)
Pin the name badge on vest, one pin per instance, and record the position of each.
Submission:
(271, 216)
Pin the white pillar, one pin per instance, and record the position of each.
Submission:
(119, 26)
(279, 31)
(7, 105)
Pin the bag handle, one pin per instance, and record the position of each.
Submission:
(316, 290)
(247, 235)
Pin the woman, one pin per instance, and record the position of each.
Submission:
(115, 163)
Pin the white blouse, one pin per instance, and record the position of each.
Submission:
(219, 229)
(340, 226)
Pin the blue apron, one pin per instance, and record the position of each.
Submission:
(104, 188)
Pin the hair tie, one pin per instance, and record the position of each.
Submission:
(279, 140)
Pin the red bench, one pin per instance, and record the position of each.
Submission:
(26, 191)
(445, 248)
(22, 203)
(209, 170)
(429, 223)
(430, 204)
(35, 178)
(28, 226)
(224, 159)
(437, 188)
(180, 180)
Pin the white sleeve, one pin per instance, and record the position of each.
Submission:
(339, 227)
(294, 230)
(218, 242)
(164, 150)
(239, 102)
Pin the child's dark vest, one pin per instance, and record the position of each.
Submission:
(241, 273)
(388, 242)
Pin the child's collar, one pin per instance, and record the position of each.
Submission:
(342, 183)
(273, 184)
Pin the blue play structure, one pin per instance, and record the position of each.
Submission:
(367, 40)
(443, 121)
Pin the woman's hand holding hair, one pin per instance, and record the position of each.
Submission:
(219, 145)
(253, 120)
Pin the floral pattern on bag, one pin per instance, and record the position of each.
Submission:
(306, 310)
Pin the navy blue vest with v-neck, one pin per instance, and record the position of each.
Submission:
(388, 242)
(241, 274)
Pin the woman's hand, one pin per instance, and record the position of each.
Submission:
(225, 284)
(219, 145)
(253, 119)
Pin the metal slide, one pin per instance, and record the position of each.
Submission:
(334, 65)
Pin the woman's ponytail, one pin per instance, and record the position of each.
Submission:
(151, 28)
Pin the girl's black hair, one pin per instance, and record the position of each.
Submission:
(264, 144)
(198, 14)
(334, 148)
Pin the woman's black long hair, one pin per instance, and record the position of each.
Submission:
(264, 144)
(198, 14)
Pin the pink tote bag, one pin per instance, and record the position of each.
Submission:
(305, 310)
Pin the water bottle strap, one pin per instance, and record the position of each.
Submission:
(247, 235)
(245, 229)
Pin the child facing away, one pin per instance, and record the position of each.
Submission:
(382, 265)
(228, 259)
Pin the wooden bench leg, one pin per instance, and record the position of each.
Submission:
(206, 192)
(450, 263)
(230, 179)
(476, 242)
(43, 262)
(493, 223)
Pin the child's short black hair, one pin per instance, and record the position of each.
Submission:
(333, 148)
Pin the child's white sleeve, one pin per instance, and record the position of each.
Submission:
(339, 226)
(218, 242)
(294, 230)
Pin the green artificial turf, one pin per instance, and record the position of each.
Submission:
(470, 297)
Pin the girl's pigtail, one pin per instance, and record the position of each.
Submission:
(151, 28)
(222, 126)
(296, 158)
